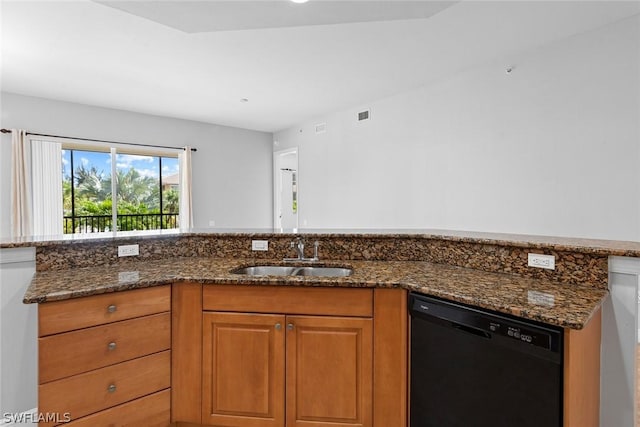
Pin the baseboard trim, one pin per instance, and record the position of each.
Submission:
(30, 414)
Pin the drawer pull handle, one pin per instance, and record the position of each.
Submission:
(278, 326)
(111, 346)
(290, 326)
(111, 388)
(112, 308)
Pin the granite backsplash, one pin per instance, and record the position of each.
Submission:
(572, 266)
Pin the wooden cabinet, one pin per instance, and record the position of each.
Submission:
(243, 369)
(105, 360)
(329, 371)
(317, 340)
(149, 411)
(78, 313)
(102, 346)
(289, 356)
(326, 363)
(249, 356)
(582, 374)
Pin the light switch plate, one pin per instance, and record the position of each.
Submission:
(259, 245)
(542, 261)
(128, 250)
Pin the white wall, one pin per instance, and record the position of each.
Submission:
(543, 150)
(618, 352)
(18, 333)
(231, 169)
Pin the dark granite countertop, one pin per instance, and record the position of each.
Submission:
(569, 306)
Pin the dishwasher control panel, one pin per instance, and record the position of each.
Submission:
(485, 323)
(521, 334)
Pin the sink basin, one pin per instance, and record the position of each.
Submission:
(266, 270)
(285, 270)
(323, 271)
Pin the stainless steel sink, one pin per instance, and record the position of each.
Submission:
(266, 270)
(285, 270)
(323, 271)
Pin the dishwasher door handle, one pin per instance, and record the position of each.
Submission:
(470, 330)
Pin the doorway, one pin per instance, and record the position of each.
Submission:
(285, 190)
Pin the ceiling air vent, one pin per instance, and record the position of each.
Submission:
(364, 115)
(321, 128)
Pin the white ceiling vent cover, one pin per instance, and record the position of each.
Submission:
(321, 128)
(364, 115)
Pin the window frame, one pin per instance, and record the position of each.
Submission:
(114, 150)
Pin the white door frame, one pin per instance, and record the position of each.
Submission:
(277, 156)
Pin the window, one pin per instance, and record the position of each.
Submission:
(146, 191)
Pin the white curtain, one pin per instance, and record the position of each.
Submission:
(186, 212)
(36, 186)
(21, 209)
(46, 163)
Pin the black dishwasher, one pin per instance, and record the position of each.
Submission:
(474, 368)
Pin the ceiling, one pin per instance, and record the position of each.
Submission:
(293, 62)
(221, 15)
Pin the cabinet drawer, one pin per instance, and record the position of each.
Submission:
(71, 353)
(289, 300)
(67, 315)
(149, 411)
(103, 388)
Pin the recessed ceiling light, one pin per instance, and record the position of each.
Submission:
(299, 1)
(244, 100)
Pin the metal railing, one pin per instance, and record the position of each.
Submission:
(125, 222)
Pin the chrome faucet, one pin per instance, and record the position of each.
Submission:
(298, 245)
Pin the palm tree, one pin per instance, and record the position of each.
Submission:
(91, 184)
(136, 194)
(137, 190)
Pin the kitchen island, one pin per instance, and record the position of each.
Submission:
(476, 271)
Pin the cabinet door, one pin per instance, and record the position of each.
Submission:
(329, 371)
(243, 369)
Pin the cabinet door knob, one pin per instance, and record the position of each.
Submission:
(278, 326)
(111, 388)
(111, 346)
(290, 326)
(112, 308)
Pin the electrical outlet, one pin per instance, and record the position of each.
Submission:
(128, 250)
(259, 245)
(542, 261)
